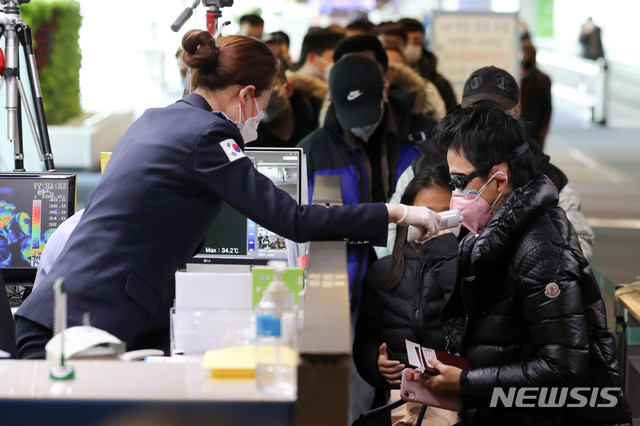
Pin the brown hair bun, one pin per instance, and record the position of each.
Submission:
(199, 49)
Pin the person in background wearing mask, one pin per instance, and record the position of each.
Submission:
(535, 96)
(424, 61)
(288, 117)
(316, 59)
(368, 139)
(184, 160)
(316, 55)
(252, 26)
(392, 37)
(526, 309)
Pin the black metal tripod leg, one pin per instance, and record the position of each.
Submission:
(23, 32)
(19, 151)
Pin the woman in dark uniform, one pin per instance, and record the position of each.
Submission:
(184, 160)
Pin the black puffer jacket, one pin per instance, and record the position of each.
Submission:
(517, 330)
(410, 311)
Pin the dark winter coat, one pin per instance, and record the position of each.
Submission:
(527, 312)
(410, 310)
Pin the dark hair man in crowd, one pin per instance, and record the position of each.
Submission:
(316, 55)
(252, 26)
(367, 139)
(289, 116)
(495, 86)
(281, 40)
(526, 309)
(424, 61)
(535, 96)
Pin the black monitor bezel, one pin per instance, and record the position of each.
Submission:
(27, 275)
(232, 260)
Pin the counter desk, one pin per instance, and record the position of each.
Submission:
(103, 390)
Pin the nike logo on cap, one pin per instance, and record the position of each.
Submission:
(354, 94)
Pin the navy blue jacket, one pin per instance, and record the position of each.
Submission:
(163, 187)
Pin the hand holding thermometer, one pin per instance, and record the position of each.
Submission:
(448, 219)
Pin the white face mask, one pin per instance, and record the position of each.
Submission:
(413, 53)
(323, 72)
(249, 129)
(365, 132)
(327, 72)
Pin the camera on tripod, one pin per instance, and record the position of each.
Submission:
(213, 14)
(216, 3)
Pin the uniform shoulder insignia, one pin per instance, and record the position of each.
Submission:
(231, 149)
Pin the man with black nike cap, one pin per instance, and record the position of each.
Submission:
(495, 86)
(368, 139)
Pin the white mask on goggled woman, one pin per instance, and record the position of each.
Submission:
(248, 129)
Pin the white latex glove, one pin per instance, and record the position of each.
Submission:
(426, 221)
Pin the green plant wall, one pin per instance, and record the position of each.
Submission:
(55, 26)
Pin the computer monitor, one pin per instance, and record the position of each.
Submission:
(235, 239)
(32, 206)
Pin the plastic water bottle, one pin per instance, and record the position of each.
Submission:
(276, 337)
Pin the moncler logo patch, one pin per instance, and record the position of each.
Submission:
(552, 290)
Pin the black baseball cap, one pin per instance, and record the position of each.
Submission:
(491, 84)
(356, 88)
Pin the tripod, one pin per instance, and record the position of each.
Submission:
(213, 15)
(14, 30)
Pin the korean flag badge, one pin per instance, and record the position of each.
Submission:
(231, 148)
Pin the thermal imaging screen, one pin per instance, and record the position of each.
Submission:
(31, 208)
(234, 236)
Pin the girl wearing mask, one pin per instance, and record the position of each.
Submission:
(184, 160)
(402, 297)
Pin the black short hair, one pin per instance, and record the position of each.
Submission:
(360, 43)
(280, 37)
(393, 29)
(486, 135)
(252, 19)
(411, 25)
(318, 40)
(360, 24)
